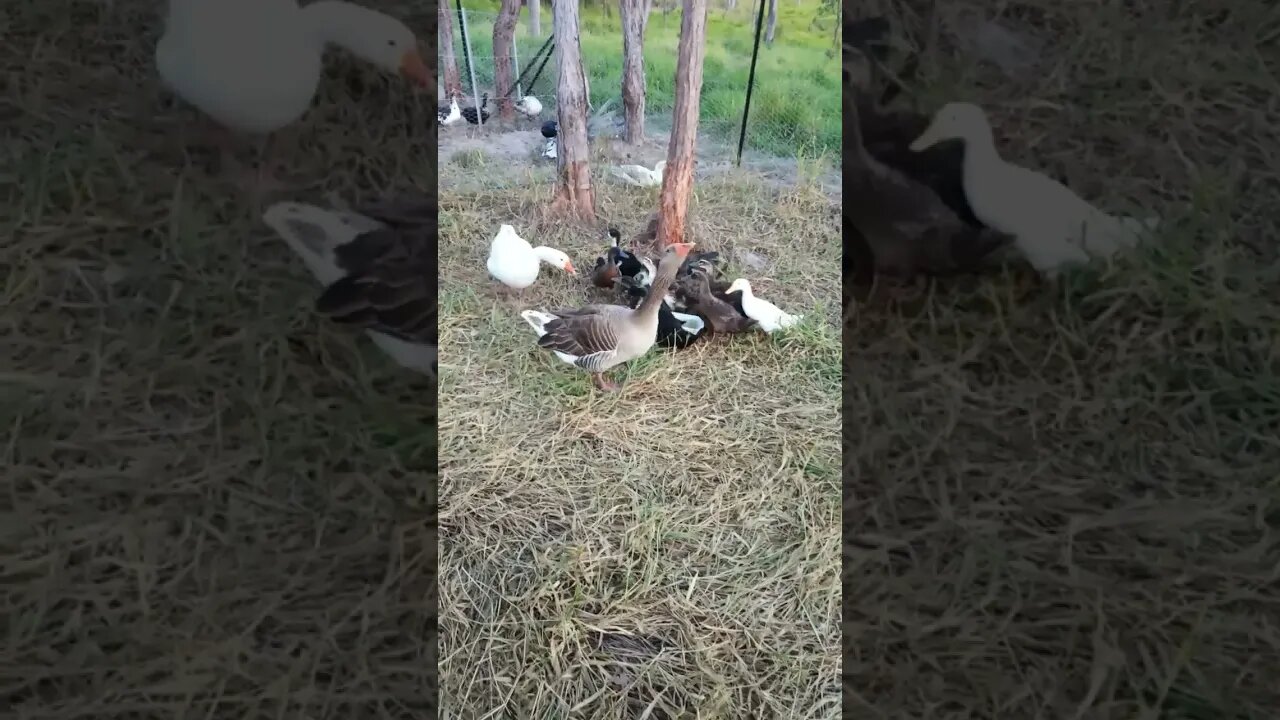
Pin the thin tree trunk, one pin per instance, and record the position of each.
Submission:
(772, 24)
(574, 195)
(452, 87)
(535, 17)
(635, 16)
(504, 32)
(677, 177)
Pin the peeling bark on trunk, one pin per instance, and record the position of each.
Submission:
(574, 195)
(677, 177)
(772, 23)
(504, 32)
(452, 86)
(635, 16)
(535, 18)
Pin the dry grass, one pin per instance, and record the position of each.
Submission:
(1067, 507)
(673, 549)
(214, 504)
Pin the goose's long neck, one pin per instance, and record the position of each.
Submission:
(648, 307)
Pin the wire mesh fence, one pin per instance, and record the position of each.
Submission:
(795, 103)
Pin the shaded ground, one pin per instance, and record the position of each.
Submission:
(214, 503)
(1066, 506)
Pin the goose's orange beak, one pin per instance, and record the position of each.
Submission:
(682, 249)
(413, 68)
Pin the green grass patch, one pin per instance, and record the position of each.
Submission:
(795, 107)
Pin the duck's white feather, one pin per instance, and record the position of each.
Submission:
(454, 114)
(1052, 226)
(512, 261)
(691, 324)
(538, 320)
(768, 316)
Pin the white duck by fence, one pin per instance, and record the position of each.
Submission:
(1052, 226)
(639, 175)
(449, 114)
(529, 106)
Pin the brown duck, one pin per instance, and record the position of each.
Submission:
(901, 223)
(714, 305)
(596, 338)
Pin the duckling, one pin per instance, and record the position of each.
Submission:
(907, 228)
(1052, 226)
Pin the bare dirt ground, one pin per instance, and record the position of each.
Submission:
(516, 144)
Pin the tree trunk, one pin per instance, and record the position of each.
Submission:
(504, 32)
(573, 191)
(677, 177)
(635, 16)
(452, 87)
(772, 24)
(535, 18)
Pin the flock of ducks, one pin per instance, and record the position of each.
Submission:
(528, 106)
(933, 196)
(671, 303)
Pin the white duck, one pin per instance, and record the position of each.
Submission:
(529, 106)
(770, 317)
(515, 263)
(451, 114)
(378, 269)
(1052, 226)
(639, 175)
(253, 66)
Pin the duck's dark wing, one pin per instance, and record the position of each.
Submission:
(390, 282)
(588, 333)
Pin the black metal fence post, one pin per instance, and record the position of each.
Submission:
(751, 81)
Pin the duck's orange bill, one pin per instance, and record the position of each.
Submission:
(413, 68)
